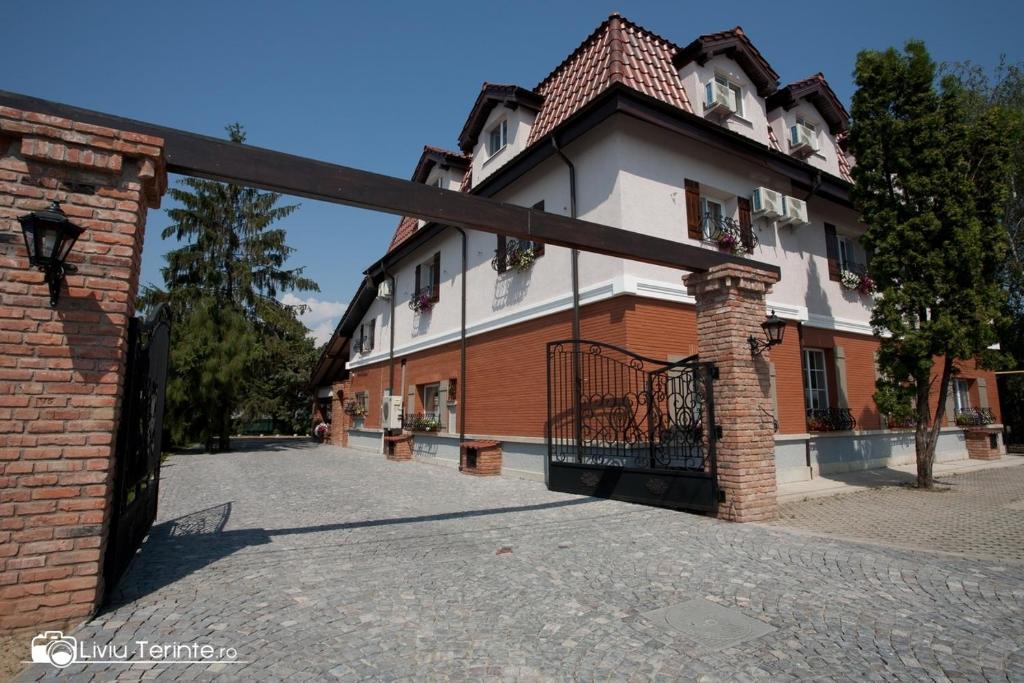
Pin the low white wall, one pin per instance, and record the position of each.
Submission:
(800, 457)
(365, 439)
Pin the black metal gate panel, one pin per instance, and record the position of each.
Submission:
(137, 450)
(631, 428)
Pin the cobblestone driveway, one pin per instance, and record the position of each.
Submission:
(975, 514)
(318, 563)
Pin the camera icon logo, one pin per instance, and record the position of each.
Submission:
(53, 647)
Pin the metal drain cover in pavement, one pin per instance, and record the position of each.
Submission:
(708, 624)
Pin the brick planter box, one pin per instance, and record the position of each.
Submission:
(398, 447)
(480, 458)
(982, 443)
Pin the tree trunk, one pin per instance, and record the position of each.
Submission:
(926, 435)
(224, 441)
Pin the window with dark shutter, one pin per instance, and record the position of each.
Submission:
(832, 252)
(538, 247)
(746, 229)
(416, 290)
(372, 333)
(435, 285)
(692, 209)
(501, 253)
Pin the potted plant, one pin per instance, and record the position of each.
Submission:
(322, 432)
(850, 280)
(421, 303)
(424, 424)
(522, 259)
(731, 244)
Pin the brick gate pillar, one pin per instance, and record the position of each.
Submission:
(731, 308)
(341, 421)
(62, 369)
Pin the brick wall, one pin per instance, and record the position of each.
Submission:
(730, 309)
(61, 370)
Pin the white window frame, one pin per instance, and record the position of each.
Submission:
(961, 395)
(845, 251)
(438, 182)
(501, 129)
(812, 390)
(427, 412)
(427, 274)
(705, 204)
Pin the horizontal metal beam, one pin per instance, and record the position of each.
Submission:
(214, 159)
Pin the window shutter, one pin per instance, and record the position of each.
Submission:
(435, 286)
(832, 251)
(839, 360)
(746, 229)
(538, 247)
(982, 384)
(951, 403)
(373, 330)
(416, 291)
(693, 230)
(502, 253)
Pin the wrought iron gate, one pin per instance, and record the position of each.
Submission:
(137, 451)
(632, 428)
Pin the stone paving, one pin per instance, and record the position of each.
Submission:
(318, 563)
(976, 514)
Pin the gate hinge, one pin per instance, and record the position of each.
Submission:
(714, 372)
(721, 495)
(718, 431)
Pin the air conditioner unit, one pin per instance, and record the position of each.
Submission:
(384, 290)
(391, 412)
(767, 203)
(802, 140)
(719, 103)
(794, 211)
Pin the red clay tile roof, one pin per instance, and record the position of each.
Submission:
(773, 141)
(406, 227)
(618, 51)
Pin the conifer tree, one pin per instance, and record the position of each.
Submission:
(931, 185)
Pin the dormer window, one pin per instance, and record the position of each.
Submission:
(438, 182)
(803, 139)
(497, 138)
(722, 98)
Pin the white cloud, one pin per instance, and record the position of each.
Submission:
(321, 317)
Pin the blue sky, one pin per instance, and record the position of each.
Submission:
(368, 84)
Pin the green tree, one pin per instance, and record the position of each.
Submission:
(223, 282)
(1004, 89)
(931, 184)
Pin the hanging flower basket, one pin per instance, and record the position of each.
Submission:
(731, 244)
(354, 409)
(522, 259)
(421, 303)
(850, 280)
(867, 285)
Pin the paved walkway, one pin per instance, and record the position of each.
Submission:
(833, 484)
(973, 512)
(320, 563)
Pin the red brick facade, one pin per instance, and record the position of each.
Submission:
(61, 369)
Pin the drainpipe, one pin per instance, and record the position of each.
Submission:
(575, 252)
(577, 371)
(391, 343)
(462, 352)
(814, 186)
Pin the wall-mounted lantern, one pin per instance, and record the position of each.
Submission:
(774, 327)
(49, 236)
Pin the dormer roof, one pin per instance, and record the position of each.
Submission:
(735, 45)
(491, 95)
(436, 156)
(815, 90)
